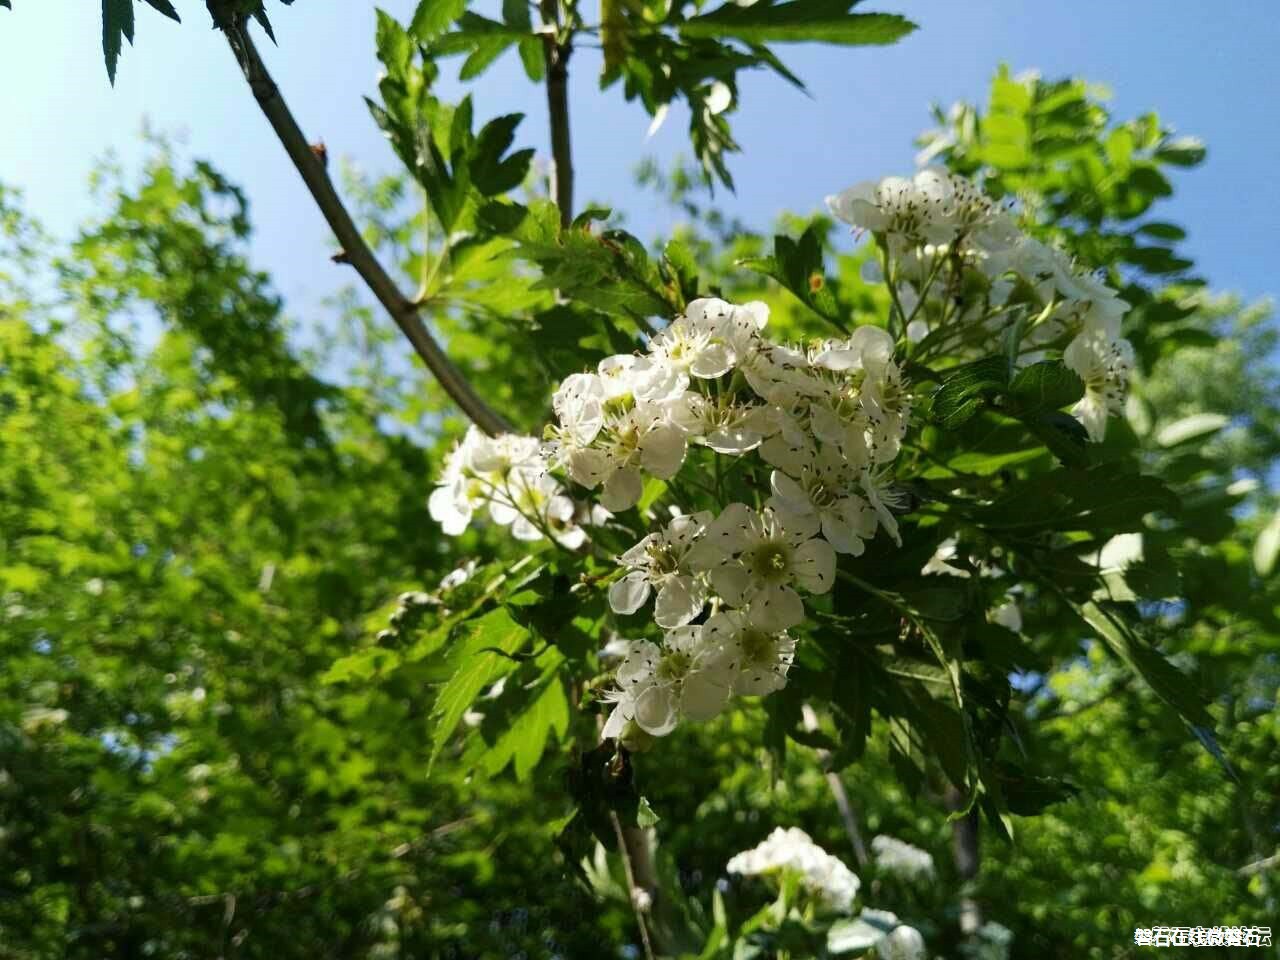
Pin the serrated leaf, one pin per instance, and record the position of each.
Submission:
(164, 7)
(543, 710)
(433, 17)
(1106, 498)
(476, 663)
(117, 26)
(1167, 681)
(823, 21)
(1044, 387)
(967, 389)
(1182, 151)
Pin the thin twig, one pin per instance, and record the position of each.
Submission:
(354, 249)
(556, 51)
(632, 888)
(841, 796)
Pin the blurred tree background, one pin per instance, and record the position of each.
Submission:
(209, 747)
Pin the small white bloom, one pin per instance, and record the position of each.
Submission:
(766, 555)
(1104, 364)
(687, 677)
(821, 484)
(661, 562)
(792, 850)
(760, 660)
(902, 943)
(901, 859)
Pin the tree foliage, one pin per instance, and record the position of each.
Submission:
(256, 704)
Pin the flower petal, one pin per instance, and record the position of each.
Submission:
(776, 608)
(630, 593)
(680, 599)
(814, 566)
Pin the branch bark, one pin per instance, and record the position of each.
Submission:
(964, 848)
(355, 251)
(556, 51)
(848, 815)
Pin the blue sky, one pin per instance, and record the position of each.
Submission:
(1208, 69)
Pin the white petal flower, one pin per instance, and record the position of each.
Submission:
(821, 484)
(792, 851)
(1104, 364)
(901, 859)
(765, 556)
(760, 660)
(662, 562)
(902, 943)
(687, 677)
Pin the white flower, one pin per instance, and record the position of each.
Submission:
(760, 660)
(901, 859)
(820, 484)
(691, 346)
(534, 504)
(660, 562)
(910, 212)
(1104, 364)
(724, 427)
(639, 435)
(478, 473)
(902, 943)
(884, 497)
(456, 578)
(765, 556)
(687, 677)
(793, 851)
(868, 349)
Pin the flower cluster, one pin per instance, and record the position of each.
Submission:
(901, 859)
(792, 851)
(824, 423)
(812, 432)
(507, 477)
(940, 231)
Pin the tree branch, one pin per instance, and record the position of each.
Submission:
(556, 52)
(355, 251)
(848, 816)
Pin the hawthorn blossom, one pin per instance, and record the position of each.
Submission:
(908, 212)
(760, 660)
(1104, 364)
(819, 483)
(764, 556)
(792, 851)
(478, 473)
(685, 678)
(901, 859)
(661, 562)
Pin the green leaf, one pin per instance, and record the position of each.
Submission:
(117, 26)
(1169, 683)
(1267, 548)
(433, 18)
(164, 7)
(967, 389)
(475, 665)
(1105, 498)
(1042, 388)
(1182, 151)
(645, 815)
(798, 266)
(1163, 231)
(543, 711)
(823, 21)
(1190, 428)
